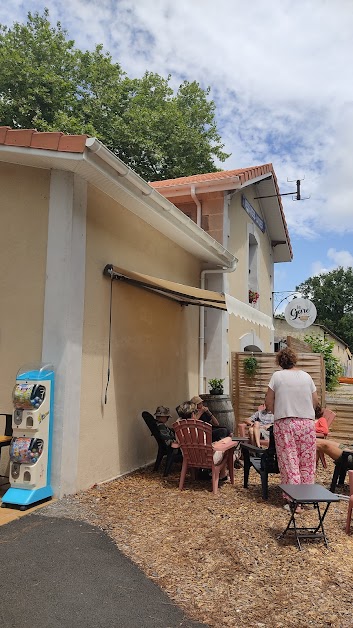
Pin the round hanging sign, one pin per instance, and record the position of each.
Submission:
(300, 313)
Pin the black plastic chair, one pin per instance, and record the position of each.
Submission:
(264, 462)
(342, 465)
(173, 454)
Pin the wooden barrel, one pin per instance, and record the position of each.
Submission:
(221, 407)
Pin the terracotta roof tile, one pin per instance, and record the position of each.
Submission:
(48, 141)
(72, 143)
(22, 137)
(30, 138)
(243, 173)
(3, 132)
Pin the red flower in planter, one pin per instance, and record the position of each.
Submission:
(253, 296)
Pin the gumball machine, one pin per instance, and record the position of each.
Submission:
(31, 445)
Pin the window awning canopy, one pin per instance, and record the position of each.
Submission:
(188, 295)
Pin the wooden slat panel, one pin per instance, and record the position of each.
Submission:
(342, 427)
(249, 392)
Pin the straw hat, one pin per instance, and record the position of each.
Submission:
(196, 399)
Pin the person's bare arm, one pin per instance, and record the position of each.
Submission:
(212, 418)
(270, 400)
(214, 421)
(315, 399)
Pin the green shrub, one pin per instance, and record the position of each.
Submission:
(333, 367)
(250, 366)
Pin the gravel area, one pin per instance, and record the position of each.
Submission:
(219, 557)
(72, 507)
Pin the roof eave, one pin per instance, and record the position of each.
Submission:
(100, 167)
(273, 213)
(202, 187)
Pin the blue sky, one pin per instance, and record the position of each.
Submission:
(279, 72)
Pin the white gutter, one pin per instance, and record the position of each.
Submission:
(183, 222)
(198, 205)
(202, 319)
(206, 185)
(96, 147)
(202, 282)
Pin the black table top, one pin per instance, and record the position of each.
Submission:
(308, 493)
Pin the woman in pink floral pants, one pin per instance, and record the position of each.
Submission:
(292, 397)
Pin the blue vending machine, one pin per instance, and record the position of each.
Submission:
(31, 445)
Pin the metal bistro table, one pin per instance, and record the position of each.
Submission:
(308, 494)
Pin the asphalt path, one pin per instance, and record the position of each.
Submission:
(61, 573)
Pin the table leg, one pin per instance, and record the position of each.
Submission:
(311, 532)
(295, 527)
(293, 505)
(321, 520)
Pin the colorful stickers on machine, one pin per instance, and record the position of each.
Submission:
(28, 396)
(26, 450)
(22, 396)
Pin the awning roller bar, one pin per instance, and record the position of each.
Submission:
(189, 295)
(185, 295)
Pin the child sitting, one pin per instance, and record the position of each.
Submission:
(259, 424)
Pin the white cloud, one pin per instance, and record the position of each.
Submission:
(317, 268)
(337, 258)
(279, 72)
(340, 258)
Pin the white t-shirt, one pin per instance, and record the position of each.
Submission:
(293, 394)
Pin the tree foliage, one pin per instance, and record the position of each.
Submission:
(332, 294)
(333, 367)
(48, 84)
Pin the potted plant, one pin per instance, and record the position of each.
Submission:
(216, 386)
(250, 366)
(253, 296)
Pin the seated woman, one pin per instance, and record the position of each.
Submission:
(333, 450)
(189, 410)
(259, 424)
(321, 427)
(204, 414)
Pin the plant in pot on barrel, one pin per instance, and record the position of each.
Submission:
(220, 404)
(216, 386)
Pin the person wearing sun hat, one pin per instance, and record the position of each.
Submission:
(161, 415)
(204, 414)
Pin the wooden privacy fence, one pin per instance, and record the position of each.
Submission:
(249, 392)
(342, 427)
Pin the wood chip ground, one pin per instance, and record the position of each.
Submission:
(219, 557)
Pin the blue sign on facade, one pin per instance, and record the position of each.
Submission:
(252, 213)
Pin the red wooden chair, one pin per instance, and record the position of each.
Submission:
(195, 439)
(350, 503)
(330, 417)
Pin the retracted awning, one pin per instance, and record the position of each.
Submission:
(188, 295)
